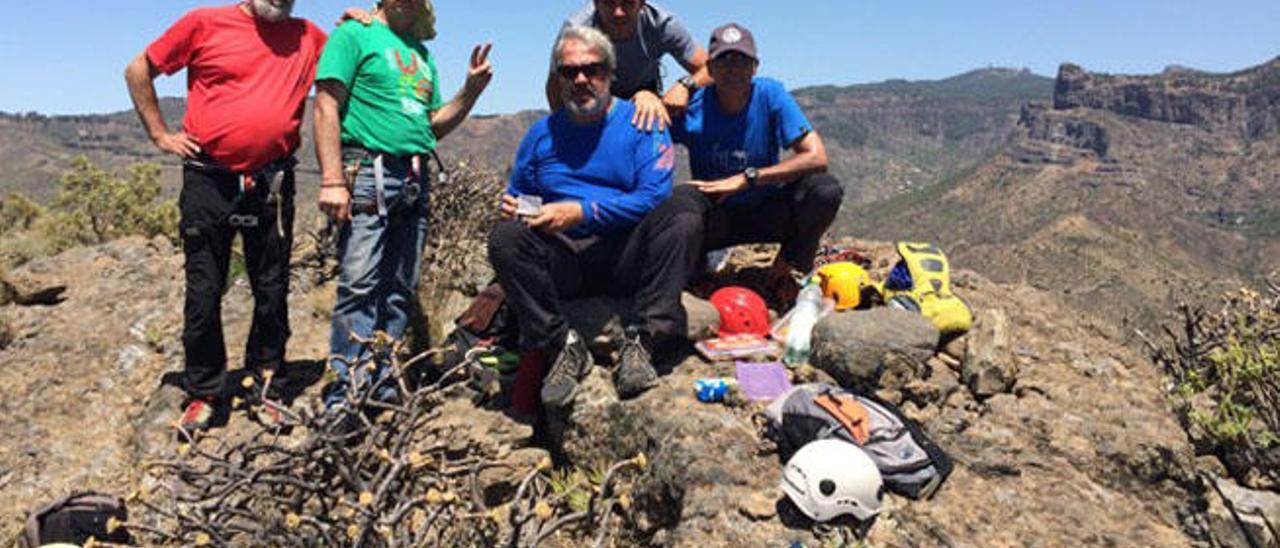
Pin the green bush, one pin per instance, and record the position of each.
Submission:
(1225, 370)
(94, 206)
(17, 212)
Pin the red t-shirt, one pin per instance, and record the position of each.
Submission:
(247, 81)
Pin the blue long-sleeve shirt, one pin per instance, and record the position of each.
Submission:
(616, 172)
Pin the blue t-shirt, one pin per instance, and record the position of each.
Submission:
(721, 146)
(658, 32)
(617, 173)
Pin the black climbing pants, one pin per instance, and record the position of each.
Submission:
(538, 270)
(214, 209)
(796, 216)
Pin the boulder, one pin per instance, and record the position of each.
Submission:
(858, 348)
(1245, 516)
(989, 367)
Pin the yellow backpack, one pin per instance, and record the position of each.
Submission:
(931, 287)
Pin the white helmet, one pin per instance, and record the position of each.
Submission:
(829, 477)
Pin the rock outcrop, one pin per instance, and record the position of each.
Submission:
(1245, 103)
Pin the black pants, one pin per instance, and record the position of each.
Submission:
(208, 203)
(538, 270)
(796, 216)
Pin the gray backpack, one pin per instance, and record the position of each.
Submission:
(909, 462)
(74, 519)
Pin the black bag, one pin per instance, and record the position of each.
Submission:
(75, 519)
(910, 463)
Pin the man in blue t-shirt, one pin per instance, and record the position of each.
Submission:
(742, 191)
(582, 183)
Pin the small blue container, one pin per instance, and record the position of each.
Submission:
(711, 390)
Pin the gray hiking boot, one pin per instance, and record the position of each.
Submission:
(635, 373)
(572, 364)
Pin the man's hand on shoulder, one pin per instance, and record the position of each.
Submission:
(558, 217)
(178, 143)
(355, 14)
(650, 112)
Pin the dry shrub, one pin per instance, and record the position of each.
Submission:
(1224, 365)
(397, 478)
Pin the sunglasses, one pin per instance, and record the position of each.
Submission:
(592, 71)
(734, 59)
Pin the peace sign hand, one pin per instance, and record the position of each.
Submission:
(480, 71)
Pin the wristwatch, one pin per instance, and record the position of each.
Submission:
(753, 176)
(688, 83)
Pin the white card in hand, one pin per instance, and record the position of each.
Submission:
(528, 205)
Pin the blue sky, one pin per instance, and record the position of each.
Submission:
(68, 57)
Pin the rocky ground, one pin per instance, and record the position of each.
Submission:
(1056, 422)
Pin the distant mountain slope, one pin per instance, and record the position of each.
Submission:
(1124, 193)
(893, 137)
(883, 138)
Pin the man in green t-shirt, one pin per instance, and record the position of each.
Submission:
(378, 113)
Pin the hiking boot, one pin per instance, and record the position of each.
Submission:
(635, 373)
(571, 365)
(199, 414)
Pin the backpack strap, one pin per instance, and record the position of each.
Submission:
(851, 414)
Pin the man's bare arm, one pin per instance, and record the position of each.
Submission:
(809, 156)
(335, 198)
(140, 76)
(479, 72)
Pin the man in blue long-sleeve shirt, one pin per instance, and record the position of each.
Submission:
(597, 177)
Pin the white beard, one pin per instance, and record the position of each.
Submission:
(272, 11)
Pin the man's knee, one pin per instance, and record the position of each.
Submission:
(823, 191)
(688, 198)
(682, 214)
(506, 241)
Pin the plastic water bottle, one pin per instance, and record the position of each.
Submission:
(800, 330)
(713, 390)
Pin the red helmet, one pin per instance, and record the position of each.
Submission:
(741, 311)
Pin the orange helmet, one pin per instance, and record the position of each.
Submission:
(843, 282)
(741, 311)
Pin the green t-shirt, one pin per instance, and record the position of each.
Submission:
(392, 87)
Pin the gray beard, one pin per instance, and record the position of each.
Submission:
(602, 102)
(268, 11)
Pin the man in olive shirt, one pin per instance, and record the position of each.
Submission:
(378, 114)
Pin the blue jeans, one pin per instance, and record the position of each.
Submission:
(379, 258)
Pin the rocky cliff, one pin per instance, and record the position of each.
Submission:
(1122, 195)
(1244, 103)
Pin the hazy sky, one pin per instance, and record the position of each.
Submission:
(69, 56)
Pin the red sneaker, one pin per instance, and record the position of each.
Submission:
(199, 414)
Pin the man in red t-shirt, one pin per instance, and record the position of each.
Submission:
(249, 69)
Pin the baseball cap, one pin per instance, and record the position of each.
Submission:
(732, 37)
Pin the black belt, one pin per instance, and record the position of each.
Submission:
(248, 180)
